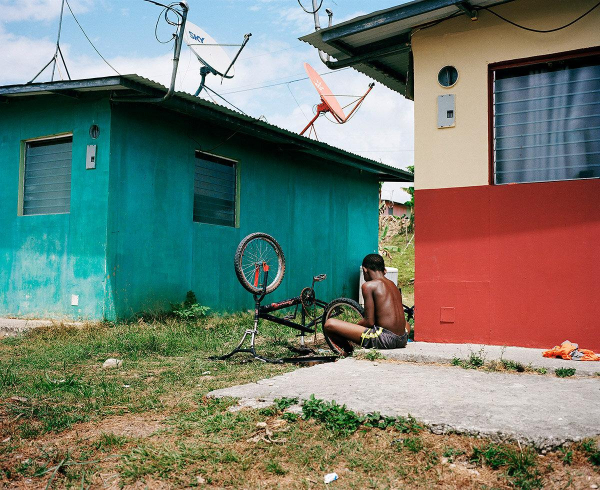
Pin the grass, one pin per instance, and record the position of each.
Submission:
(477, 360)
(66, 422)
(402, 257)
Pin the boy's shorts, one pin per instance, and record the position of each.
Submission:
(381, 338)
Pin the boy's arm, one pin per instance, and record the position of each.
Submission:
(369, 317)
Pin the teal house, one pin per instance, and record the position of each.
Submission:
(111, 204)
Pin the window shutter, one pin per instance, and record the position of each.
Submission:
(47, 179)
(214, 190)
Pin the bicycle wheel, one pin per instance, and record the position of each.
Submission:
(344, 309)
(256, 253)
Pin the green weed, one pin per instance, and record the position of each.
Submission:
(290, 417)
(564, 372)
(8, 377)
(567, 455)
(275, 468)
(412, 444)
(591, 450)
(336, 418)
(190, 309)
(283, 403)
(108, 441)
(520, 466)
(451, 453)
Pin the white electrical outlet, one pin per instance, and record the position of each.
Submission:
(74, 300)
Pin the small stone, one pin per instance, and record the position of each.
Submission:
(452, 465)
(444, 460)
(112, 363)
(205, 372)
(126, 386)
(593, 485)
(7, 439)
(200, 480)
(474, 472)
(18, 399)
(261, 425)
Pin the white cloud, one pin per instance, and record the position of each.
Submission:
(12, 10)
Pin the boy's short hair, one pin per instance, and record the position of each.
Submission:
(374, 262)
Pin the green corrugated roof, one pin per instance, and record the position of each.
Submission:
(128, 86)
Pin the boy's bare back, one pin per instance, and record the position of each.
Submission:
(383, 298)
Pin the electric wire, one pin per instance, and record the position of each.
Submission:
(292, 94)
(281, 83)
(542, 31)
(311, 11)
(89, 40)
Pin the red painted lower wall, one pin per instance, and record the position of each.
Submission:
(509, 265)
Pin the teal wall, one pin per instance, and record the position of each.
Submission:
(324, 215)
(44, 259)
(129, 243)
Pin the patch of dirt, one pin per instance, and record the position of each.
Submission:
(130, 425)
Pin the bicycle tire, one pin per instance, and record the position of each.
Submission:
(351, 312)
(254, 249)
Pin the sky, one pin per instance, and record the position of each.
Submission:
(123, 31)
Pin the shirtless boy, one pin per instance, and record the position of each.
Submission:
(383, 325)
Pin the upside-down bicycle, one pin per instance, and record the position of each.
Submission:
(260, 266)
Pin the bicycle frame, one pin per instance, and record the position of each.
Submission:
(264, 312)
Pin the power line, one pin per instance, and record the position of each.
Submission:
(281, 83)
(224, 99)
(542, 31)
(292, 93)
(89, 40)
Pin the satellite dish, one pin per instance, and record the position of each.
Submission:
(207, 50)
(210, 53)
(326, 95)
(329, 102)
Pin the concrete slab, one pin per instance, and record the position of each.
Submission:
(444, 353)
(544, 411)
(15, 326)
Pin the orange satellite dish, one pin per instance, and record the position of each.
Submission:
(329, 103)
(325, 93)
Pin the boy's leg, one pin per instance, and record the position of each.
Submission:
(342, 332)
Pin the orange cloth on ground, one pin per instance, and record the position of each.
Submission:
(565, 350)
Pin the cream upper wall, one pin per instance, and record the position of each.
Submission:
(458, 156)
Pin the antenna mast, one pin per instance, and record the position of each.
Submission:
(58, 51)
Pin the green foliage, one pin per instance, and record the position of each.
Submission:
(7, 376)
(283, 403)
(407, 425)
(342, 421)
(412, 444)
(108, 441)
(275, 468)
(513, 366)
(564, 372)
(370, 355)
(591, 450)
(475, 360)
(451, 453)
(290, 417)
(520, 465)
(567, 455)
(336, 418)
(190, 309)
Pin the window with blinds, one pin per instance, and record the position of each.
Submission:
(547, 121)
(47, 176)
(215, 182)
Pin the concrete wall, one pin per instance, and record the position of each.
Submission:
(324, 216)
(458, 156)
(44, 259)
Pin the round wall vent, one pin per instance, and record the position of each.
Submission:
(448, 76)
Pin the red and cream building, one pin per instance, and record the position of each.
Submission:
(507, 161)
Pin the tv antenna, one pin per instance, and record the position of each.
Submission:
(57, 52)
(212, 56)
(329, 102)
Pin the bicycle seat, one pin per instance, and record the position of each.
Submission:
(320, 277)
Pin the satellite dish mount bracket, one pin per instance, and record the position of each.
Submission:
(322, 108)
